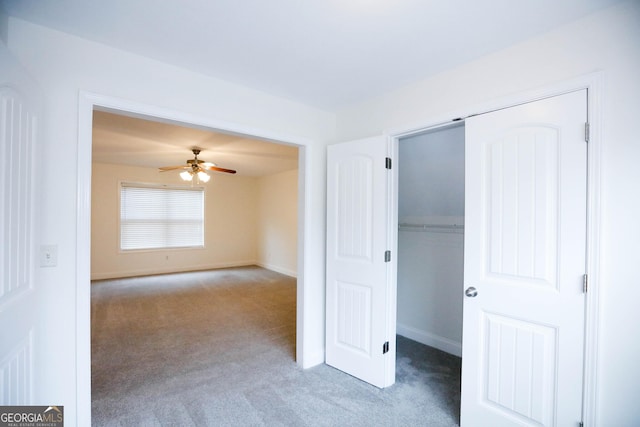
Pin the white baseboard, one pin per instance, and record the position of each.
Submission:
(168, 270)
(426, 338)
(310, 360)
(278, 269)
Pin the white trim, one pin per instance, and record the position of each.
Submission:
(83, 263)
(87, 103)
(447, 119)
(391, 285)
(594, 195)
(441, 343)
(277, 269)
(593, 82)
(153, 271)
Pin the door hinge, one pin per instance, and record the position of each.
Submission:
(580, 424)
(587, 131)
(385, 347)
(387, 256)
(387, 163)
(585, 283)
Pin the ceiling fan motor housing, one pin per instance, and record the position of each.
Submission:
(195, 165)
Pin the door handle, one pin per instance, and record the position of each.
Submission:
(471, 292)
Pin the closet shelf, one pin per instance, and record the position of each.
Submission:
(433, 228)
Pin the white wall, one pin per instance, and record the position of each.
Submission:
(608, 41)
(430, 260)
(231, 225)
(277, 222)
(430, 266)
(431, 174)
(64, 66)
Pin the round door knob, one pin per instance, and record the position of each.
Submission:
(471, 292)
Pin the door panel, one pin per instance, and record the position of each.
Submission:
(358, 278)
(519, 368)
(525, 244)
(522, 201)
(18, 308)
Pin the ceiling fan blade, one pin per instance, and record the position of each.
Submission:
(170, 168)
(215, 168)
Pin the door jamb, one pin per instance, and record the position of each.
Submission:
(593, 83)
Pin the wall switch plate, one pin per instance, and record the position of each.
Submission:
(48, 255)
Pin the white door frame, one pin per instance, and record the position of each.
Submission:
(87, 103)
(593, 84)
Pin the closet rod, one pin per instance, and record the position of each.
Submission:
(441, 228)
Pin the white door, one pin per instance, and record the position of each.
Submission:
(524, 257)
(360, 334)
(18, 303)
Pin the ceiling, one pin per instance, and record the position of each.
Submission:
(323, 53)
(119, 139)
(328, 54)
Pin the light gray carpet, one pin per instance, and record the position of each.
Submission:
(217, 348)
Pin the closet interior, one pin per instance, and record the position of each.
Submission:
(430, 237)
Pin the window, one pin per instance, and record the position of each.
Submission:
(159, 217)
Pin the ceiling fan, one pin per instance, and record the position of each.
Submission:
(196, 168)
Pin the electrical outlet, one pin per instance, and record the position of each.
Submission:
(48, 255)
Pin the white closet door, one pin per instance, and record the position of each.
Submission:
(360, 335)
(525, 244)
(18, 303)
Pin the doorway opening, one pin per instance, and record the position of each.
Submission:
(512, 189)
(430, 252)
(248, 216)
(92, 102)
(519, 168)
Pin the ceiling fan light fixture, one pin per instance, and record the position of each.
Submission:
(203, 176)
(196, 170)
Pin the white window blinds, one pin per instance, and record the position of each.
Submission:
(155, 217)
